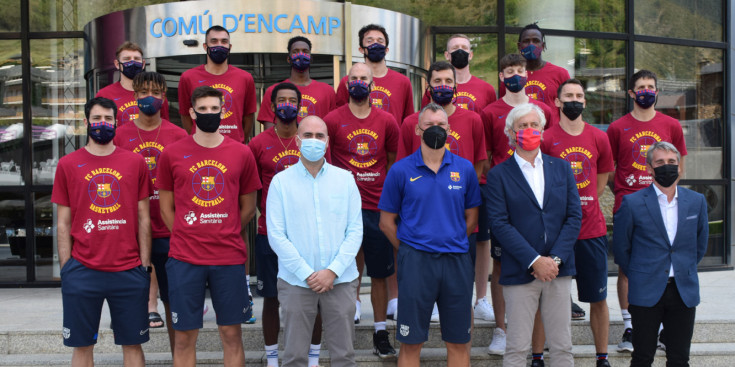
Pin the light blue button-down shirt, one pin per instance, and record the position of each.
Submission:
(314, 223)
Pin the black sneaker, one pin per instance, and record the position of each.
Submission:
(603, 363)
(381, 345)
(537, 363)
(626, 344)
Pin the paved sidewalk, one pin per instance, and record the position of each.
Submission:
(40, 309)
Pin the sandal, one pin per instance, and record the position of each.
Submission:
(578, 313)
(154, 318)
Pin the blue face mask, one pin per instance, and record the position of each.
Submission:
(375, 52)
(150, 105)
(131, 68)
(101, 132)
(313, 149)
(218, 54)
(359, 90)
(287, 112)
(300, 61)
(515, 83)
(531, 52)
(645, 98)
(442, 94)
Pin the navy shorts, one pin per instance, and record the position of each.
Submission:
(266, 267)
(483, 222)
(425, 278)
(83, 290)
(187, 284)
(159, 256)
(473, 248)
(376, 247)
(590, 258)
(495, 249)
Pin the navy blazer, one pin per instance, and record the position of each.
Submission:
(525, 230)
(642, 248)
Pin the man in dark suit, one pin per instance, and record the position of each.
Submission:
(659, 236)
(535, 213)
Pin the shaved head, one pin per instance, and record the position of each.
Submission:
(361, 71)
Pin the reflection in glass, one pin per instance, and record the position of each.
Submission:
(46, 260)
(715, 197)
(484, 63)
(438, 13)
(58, 91)
(12, 237)
(10, 16)
(11, 115)
(580, 15)
(72, 15)
(691, 87)
(693, 19)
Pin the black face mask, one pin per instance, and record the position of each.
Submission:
(572, 109)
(460, 58)
(218, 54)
(667, 174)
(435, 137)
(208, 122)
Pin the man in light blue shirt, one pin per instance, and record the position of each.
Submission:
(315, 227)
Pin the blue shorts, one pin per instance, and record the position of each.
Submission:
(590, 258)
(83, 290)
(473, 248)
(483, 222)
(495, 249)
(425, 278)
(159, 256)
(266, 268)
(187, 284)
(376, 247)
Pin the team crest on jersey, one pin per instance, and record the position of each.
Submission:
(227, 99)
(380, 99)
(208, 183)
(362, 148)
(103, 190)
(454, 176)
(404, 330)
(150, 162)
(128, 112)
(88, 226)
(641, 142)
(66, 333)
(535, 89)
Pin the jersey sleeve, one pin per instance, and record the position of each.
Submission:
(342, 94)
(478, 133)
(59, 193)
(164, 179)
(251, 102)
(266, 113)
(425, 99)
(184, 94)
(249, 178)
(392, 134)
(612, 137)
(677, 138)
(605, 161)
(391, 197)
(472, 196)
(491, 97)
(488, 128)
(408, 103)
(405, 140)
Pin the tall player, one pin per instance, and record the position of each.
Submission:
(587, 150)
(630, 136)
(148, 135)
(317, 98)
(104, 238)
(513, 76)
(364, 140)
(275, 149)
(207, 186)
(236, 85)
(473, 93)
(544, 77)
(129, 61)
(391, 90)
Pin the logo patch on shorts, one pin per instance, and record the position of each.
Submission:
(260, 285)
(603, 289)
(174, 317)
(142, 332)
(404, 330)
(498, 251)
(66, 333)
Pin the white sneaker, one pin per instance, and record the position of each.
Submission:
(497, 345)
(435, 314)
(392, 309)
(483, 310)
(357, 312)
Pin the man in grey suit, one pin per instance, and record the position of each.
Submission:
(659, 236)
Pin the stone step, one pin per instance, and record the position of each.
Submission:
(50, 341)
(702, 354)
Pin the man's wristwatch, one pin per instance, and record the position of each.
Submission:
(557, 260)
(148, 269)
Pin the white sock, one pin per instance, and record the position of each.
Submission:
(392, 305)
(271, 354)
(660, 327)
(626, 319)
(314, 354)
(247, 285)
(379, 325)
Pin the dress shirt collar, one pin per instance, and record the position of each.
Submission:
(659, 193)
(522, 162)
(300, 166)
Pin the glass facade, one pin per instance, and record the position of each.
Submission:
(43, 87)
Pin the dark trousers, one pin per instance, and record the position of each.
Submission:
(678, 320)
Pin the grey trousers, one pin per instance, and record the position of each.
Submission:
(521, 303)
(299, 307)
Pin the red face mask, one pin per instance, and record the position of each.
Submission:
(528, 139)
